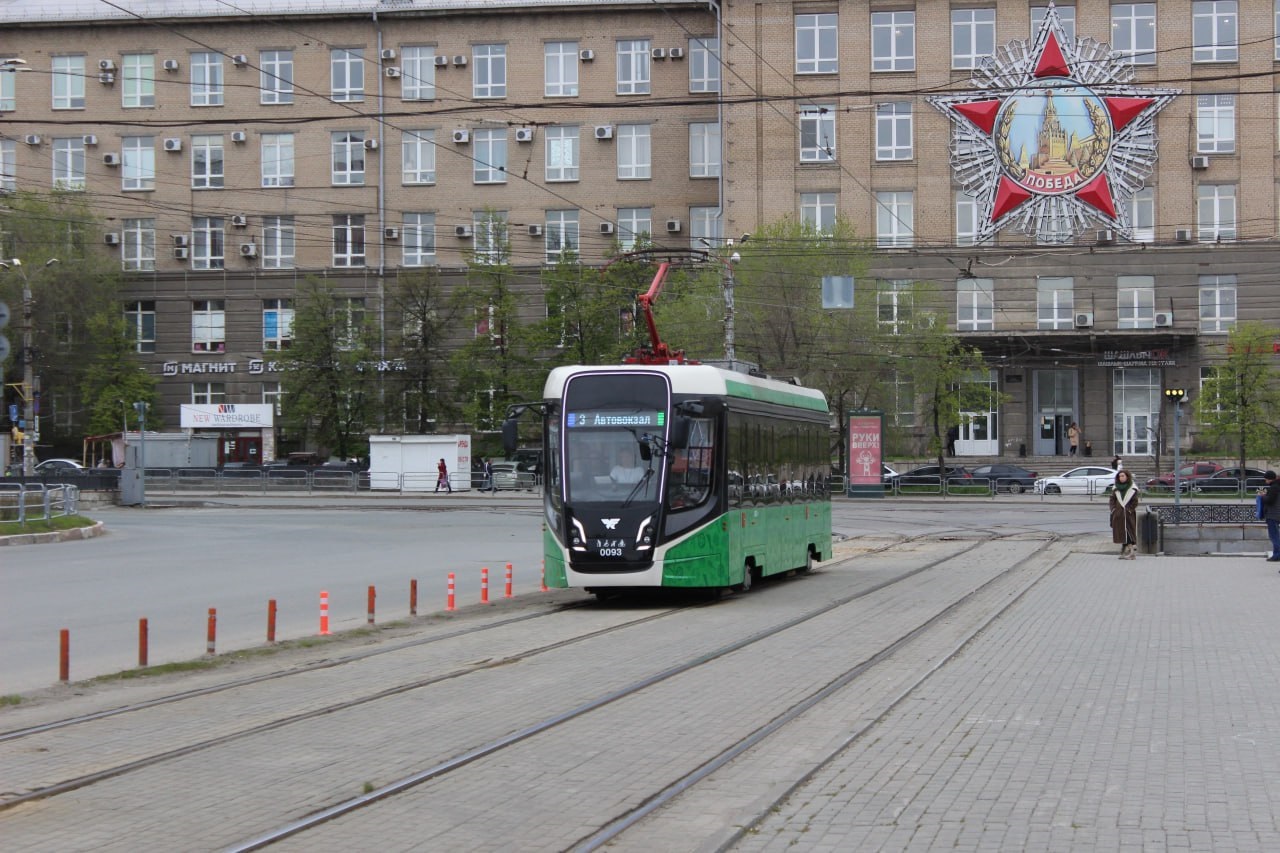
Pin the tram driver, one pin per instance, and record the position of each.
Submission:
(627, 470)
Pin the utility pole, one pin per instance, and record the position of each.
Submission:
(29, 388)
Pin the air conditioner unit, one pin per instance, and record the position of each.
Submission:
(173, 143)
(606, 227)
(604, 131)
(1084, 320)
(180, 239)
(1182, 235)
(89, 139)
(239, 136)
(170, 65)
(391, 233)
(524, 134)
(676, 53)
(461, 136)
(106, 78)
(1200, 162)
(1164, 319)
(1105, 235)
(459, 60)
(658, 53)
(239, 220)
(248, 250)
(392, 71)
(32, 139)
(181, 254)
(674, 226)
(111, 238)
(586, 55)
(239, 60)
(106, 65)
(111, 159)
(463, 231)
(388, 54)
(535, 230)
(442, 61)
(371, 145)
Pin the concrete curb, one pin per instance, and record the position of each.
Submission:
(97, 529)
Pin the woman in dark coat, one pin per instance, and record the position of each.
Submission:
(1124, 514)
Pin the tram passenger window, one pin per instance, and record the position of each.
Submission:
(691, 467)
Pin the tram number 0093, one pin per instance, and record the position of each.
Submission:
(610, 552)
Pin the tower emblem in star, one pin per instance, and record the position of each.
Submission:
(1054, 138)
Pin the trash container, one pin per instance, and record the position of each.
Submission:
(1149, 532)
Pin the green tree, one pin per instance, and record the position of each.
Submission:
(329, 378)
(1239, 399)
(114, 379)
(583, 308)
(420, 396)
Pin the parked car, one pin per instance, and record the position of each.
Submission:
(1005, 478)
(1088, 480)
(1187, 474)
(1227, 481)
(888, 475)
(59, 467)
(927, 475)
(506, 474)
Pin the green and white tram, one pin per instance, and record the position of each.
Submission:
(681, 475)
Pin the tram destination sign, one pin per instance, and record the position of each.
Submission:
(615, 419)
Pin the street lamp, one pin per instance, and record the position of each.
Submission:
(1175, 396)
(28, 390)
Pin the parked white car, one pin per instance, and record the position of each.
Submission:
(1089, 480)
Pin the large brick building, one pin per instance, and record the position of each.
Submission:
(233, 148)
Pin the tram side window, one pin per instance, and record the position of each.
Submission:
(735, 477)
(691, 467)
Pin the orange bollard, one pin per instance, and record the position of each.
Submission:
(142, 642)
(484, 585)
(64, 655)
(271, 620)
(413, 596)
(373, 595)
(449, 602)
(211, 633)
(544, 576)
(324, 613)
(507, 593)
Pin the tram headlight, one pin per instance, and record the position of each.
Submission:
(645, 535)
(578, 536)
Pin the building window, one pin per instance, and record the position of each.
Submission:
(8, 91)
(966, 219)
(490, 230)
(560, 69)
(561, 232)
(817, 134)
(206, 79)
(893, 41)
(633, 148)
(347, 148)
(68, 163)
(1214, 31)
(278, 242)
(895, 306)
(704, 150)
(704, 227)
(633, 67)
(1055, 302)
(489, 149)
(975, 306)
(140, 320)
(1133, 31)
(489, 71)
(903, 405)
(206, 162)
(1215, 124)
(209, 325)
(68, 82)
(1135, 302)
(348, 240)
(137, 80)
(8, 163)
(1066, 17)
(1217, 303)
(346, 74)
(277, 324)
(562, 153)
(138, 163)
(818, 212)
(138, 245)
(277, 159)
(208, 393)
(704, 65)
(1216, 212)
(418, 74)
(1142, 215)
(817, 48)
(973, 36)
(837, 291)
(893, 131)
(208, 239)
(418, 239)
(895, 213)
(418, 157)
(276, 76)
(634, 223)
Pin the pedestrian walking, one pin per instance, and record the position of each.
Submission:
(1073, 435)
(442, 477)
(1124, 515)
(1271, 512)
(486, 483)
(1117, 463)
(953, 434)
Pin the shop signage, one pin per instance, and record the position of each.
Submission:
(259, 366)
(1138, 358)
(226, 415)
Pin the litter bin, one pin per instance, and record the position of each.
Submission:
(1149, 532)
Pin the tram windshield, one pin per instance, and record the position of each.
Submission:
(607, 463)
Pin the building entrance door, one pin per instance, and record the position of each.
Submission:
(1055, 407)
(1136, 435)
(979, 432)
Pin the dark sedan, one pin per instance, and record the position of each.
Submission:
(1005, 478)
(927, 475)
(1227, 481)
